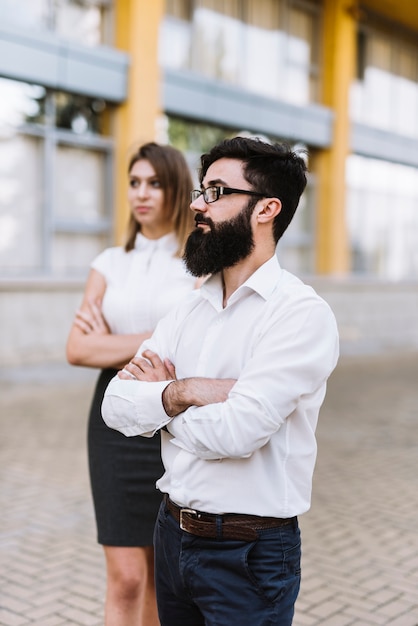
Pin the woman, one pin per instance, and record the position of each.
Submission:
(128, 290)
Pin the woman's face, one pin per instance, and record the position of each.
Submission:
(146, 200)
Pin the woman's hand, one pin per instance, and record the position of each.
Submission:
(92, 320)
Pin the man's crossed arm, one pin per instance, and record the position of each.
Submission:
(179, 395)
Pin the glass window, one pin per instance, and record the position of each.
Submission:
(382, 218)
(25, 13)
(385, 93)
(21, 187)
(78, 184)
(299, 59)
(405, 96)
(54, 185)
(79, 113)
(266, 46)
(193, 139)
(20, 103)
(175, 34)
(216, 43)
(80, 20)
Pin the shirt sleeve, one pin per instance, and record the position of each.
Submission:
(134, 407)
(103, 262)
(286, 375)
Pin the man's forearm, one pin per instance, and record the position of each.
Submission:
(182, 394)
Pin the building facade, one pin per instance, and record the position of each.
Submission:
(82, 82)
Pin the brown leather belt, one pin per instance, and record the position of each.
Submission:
(228, 526)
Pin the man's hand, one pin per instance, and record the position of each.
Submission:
(150, 368)
(179, 395)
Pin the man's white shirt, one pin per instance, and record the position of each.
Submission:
(254, 453)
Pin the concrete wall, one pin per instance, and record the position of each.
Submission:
(373, 317)
(35, 317)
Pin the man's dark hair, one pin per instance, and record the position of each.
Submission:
(271, 169)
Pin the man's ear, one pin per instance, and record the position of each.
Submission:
(269, 208)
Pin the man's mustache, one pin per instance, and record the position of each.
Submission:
(201, 219)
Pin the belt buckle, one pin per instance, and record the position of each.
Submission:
(190, 512)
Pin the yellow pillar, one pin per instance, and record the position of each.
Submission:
(137, 31)
(339, 52)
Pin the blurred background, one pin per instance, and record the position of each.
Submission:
(82, 82)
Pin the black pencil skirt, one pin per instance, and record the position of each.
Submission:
(123, 472)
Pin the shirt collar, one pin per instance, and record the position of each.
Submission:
(263, 281)
(167, 242)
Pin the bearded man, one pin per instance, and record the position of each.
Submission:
(234, 378)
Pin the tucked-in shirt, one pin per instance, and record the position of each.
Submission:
(142, 285)
(254, 453)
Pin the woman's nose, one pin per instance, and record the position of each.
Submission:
(142, 190)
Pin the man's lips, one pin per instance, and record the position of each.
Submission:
(200, 220)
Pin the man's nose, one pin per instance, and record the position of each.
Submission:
(199, 205)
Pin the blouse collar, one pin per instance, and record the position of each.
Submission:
(166, 242)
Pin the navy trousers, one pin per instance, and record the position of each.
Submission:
(217, 582)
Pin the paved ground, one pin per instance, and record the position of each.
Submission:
(360, 559)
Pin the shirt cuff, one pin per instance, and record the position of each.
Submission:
(135, 407)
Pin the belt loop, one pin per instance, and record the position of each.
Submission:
(218, 521)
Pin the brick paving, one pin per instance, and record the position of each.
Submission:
(360, 539)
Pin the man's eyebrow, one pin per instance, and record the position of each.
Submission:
(216, 181)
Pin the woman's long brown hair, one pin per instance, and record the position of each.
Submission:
(174, 176)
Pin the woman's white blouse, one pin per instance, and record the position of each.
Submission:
(142, 285)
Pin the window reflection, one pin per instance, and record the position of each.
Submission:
(382, 218)
(20, 103)
(79, 20)
(78, 184)
(300, 63)
(217, 43)
(20, 204)
(78, 113)
(262, 33)
(52, 184)
(26, 13)
(265, 46)
(175, 34)
(385, 93)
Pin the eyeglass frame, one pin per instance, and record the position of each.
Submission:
(222, 191)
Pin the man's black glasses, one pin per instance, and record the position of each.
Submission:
(212, 194)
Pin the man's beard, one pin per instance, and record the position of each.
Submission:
(225, 245)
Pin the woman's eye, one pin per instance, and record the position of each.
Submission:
(156, 184)
(133, 183)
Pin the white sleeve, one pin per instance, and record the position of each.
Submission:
(103, 262)
(134, 407)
